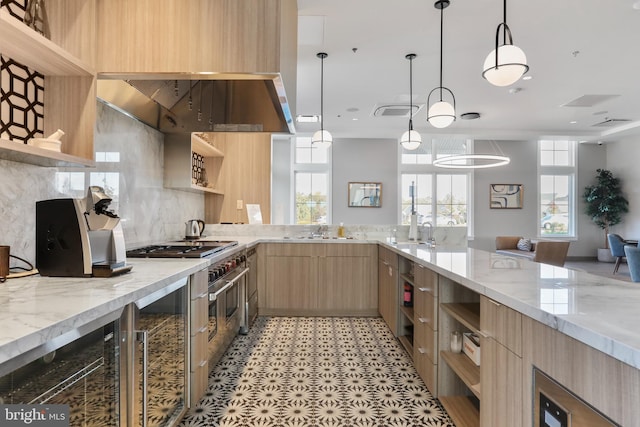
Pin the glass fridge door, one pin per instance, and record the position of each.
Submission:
(161, 358)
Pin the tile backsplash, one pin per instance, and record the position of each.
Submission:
(129, 164)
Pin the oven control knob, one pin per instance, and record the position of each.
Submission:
(238, 260)
(243, 258)
(222, 270)
(212, 276)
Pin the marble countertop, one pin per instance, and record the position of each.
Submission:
(597, 311)
(35, 309)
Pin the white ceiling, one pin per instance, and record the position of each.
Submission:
(574, 48)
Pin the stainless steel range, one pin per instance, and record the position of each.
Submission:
(227, 304)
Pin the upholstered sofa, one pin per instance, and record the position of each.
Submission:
(552, 252)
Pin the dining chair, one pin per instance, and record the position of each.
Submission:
(616, 243)
(633, 259)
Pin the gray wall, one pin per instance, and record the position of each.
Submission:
(622, 160)
(523, 169)
(364, 160)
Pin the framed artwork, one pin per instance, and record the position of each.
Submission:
(505, 196)
(365, 194)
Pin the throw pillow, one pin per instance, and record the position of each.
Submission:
(524, 244)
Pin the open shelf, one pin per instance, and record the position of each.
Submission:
(207, 189)
(25, 45)
(465, 369)
(407, 344)
(461, 410)
(16, 151)
(407, 278)
(203, 147)
(467, 313)
(408, 312)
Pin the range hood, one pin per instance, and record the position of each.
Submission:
(180, 103)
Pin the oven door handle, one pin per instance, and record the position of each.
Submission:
(214, 296)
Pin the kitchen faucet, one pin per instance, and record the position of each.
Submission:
(431, 241)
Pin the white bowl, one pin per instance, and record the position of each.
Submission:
(47, 144)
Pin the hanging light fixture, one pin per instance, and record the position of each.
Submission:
(441, 114)
(411, 139)
(506, 63)
(322, 138)
(474, 161)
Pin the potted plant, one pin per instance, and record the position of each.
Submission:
(605, 205)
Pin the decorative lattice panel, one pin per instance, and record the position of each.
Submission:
(21, 92)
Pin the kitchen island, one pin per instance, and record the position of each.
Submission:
(579, 328)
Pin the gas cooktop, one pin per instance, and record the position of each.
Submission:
(184, 250)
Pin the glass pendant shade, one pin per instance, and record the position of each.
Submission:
(410, 140)
(441, 114)
(321, 139)
(512, 64)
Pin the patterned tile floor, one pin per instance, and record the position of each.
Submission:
(316, 372)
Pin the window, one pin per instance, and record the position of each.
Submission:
(311, 183)
(446, 194)
(556, 195)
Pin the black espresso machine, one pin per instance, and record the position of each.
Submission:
(79, 237)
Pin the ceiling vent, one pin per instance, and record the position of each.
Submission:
(395, 110)
(608, 123)
(589, 100)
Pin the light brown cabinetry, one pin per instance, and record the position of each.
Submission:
(199, 365)
(425, 336)
(501, 372)
(244, 174)
(318, 279)
(388, 288)
(168, 36)
(188, 159)
(67, 63)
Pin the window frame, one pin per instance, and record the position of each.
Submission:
(569, 171)
(315, 168)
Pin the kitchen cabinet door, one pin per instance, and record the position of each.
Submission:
(291, 284)
(501, 384)
(347, 282)
(388, 294)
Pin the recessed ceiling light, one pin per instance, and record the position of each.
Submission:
(470, 116)
(573, 122)
(301, 118)
(527, 77)
(354, 119)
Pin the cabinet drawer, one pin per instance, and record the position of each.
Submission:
(425, 307)
(199, 343)
(199, 283)
(295, 249)
(426, 279)
(427, 370)
(388, 256)
(425, 342)
(501, 323)
(199, 381)
(199, 312)
(350, 249)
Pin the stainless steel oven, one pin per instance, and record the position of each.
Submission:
(227, 308)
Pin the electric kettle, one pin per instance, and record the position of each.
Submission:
(193, 228)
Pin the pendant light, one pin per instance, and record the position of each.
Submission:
(411, 139)
(441, 114)
(474, 161)
(322, 138)
(506, 63)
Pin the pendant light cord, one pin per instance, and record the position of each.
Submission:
(322, 93)
(441, 32)
(410, 95)
(504, 20)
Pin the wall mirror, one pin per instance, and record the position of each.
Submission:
(365, 194)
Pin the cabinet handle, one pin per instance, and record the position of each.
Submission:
(141, 336)
(497, 304)
(390, 271)
(204, 362)
(203, 329)
(419, 266)
(422, 350)
(484, 334)
(423, 320)
(424, 289)
(203, 295)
